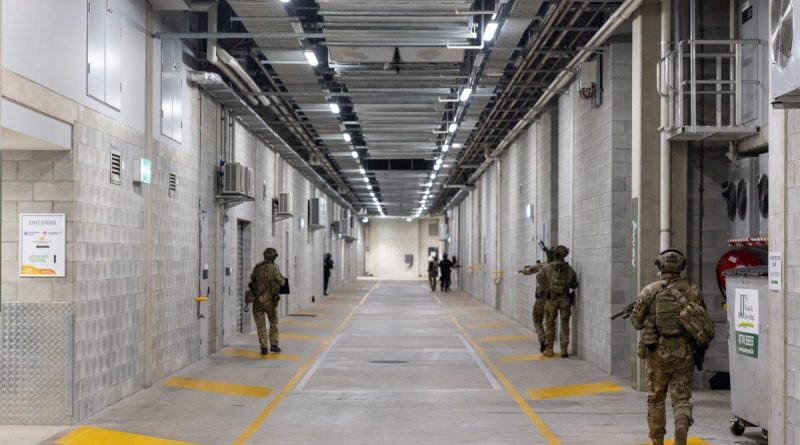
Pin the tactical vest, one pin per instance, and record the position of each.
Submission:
(558, 281)
(675, 315)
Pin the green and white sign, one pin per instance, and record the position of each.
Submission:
(147, 171)
(746, 322)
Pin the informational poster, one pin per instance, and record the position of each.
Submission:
(774, 270)
(42, 245)
(746, 322)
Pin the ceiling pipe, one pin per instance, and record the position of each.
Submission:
(665, 231)
(562, 81)
(237, 68)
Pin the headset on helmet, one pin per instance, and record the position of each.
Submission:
(270, 252)
(560, 252)
(671, 256)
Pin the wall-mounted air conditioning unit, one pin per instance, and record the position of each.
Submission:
(763, 195)
(237, 180)
(282, 207)
(785, 36)
(742, 199)
(316, 214)
(344, 223)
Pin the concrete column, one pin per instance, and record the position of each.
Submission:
(149, 303)
(645, 161)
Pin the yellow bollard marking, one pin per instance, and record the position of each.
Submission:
(581, 389)
(525, 358)
(87, 435)
(501, 338)
(231, 389)
(246, 353)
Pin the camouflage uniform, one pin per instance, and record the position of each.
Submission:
(539, 302)
(267, 272)
(433, 272)
(558, 302)
(670, 359)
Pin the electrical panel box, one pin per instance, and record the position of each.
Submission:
(785, 51)
(587, 75)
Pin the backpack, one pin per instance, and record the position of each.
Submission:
(557, 281)
(676, 315)
(258, 283)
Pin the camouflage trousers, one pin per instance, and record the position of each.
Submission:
(562, 308)
(432, 281)
(538, 318)
(669, 368)
(270, 309)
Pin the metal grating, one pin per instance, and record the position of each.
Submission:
(36, 363)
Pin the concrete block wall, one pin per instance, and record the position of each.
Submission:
(574, 165)
(390, 239)
(792, 281)
(129, 334)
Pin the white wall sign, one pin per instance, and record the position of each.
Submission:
(746, 321)
(774, 269)
(42, 245)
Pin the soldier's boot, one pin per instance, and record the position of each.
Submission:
(264, 351)
(681, 431)
(542, 345)
(658, 441)
(548, 352)
(274, 348)
(565, 350)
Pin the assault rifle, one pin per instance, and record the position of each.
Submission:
(549, 251)
(625, 313)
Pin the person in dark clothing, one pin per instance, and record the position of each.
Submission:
(327, 267)
(445, 266)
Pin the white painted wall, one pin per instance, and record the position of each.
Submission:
(390, 240)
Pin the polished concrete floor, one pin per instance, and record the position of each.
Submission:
(387, 362)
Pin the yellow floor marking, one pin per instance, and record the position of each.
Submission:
(499, 338)
(267, 411)
(246, 353)
(525, 358)
(581, 389)
(293, 336)
(534, 418)
(691, 441)
(231, 389)
(490, 325)
(87, 435)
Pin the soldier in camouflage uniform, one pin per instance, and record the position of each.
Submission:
(265, 283)
(539, 300)
(559, 282)
(433, 272)
(667, 347)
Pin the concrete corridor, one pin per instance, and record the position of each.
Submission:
(388, 362)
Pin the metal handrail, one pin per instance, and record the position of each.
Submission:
(690, 51)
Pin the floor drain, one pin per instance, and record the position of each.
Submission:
(388, 362)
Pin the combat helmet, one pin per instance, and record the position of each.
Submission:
(560, 252)
(671, 261)
(270, 253)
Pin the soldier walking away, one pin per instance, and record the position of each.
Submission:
(539, 300)
(327, 263)
(433, 272)
(445, 266)
(675, 326)
(265, 284)
(559, 282)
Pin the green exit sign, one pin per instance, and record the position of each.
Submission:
(142, 170)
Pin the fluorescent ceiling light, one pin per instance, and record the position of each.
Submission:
(366, 179)
(311, 57)
(437, 167)
(409, 219)
(430, 184)
(490, 31)
(362, 171)
(335, 108)
(285, 1)
(433, 175)
(453, 127)
(369, 186)
(365, 220)
(445, 147)
(354, 154)
(439, 161)
(465, 94)
(347, 137)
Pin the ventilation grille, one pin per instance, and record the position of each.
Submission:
(173, 184)
(116, 168)
(433, 229)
